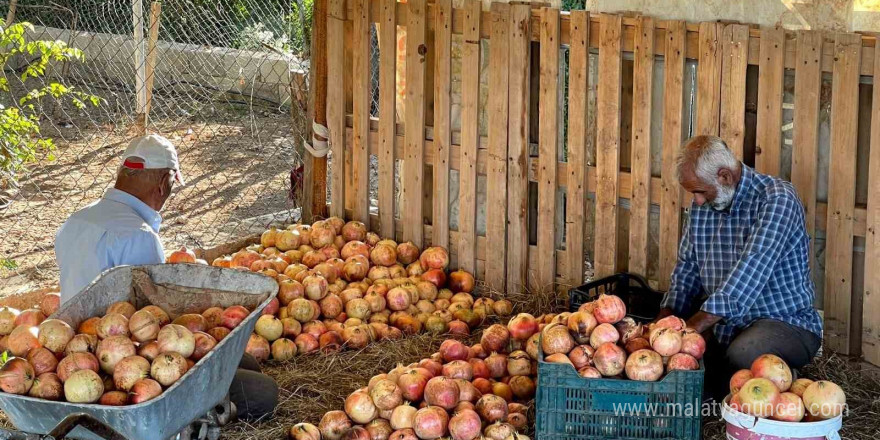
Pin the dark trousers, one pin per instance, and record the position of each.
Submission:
(253, 393)
(796, 346)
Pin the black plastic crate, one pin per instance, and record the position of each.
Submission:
(642, 302)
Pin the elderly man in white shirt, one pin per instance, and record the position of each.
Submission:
(122, 228)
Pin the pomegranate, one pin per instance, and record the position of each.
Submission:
(790, 408)
(519, 363)
(398, 299)
(461, 281)
(430, 423)
(670, 321)
(479, 368)
(603, 333)
(354, 248)
(143, 326)
(532, 345)
(75, 362)
(176, 338)
(54, 334)
(435, 276)
(182, 255)
(112, 350)
(16, 376)
(609, 309)
(355, 270)
(269, 327)
(333, 425)
(682, 361)
(772, 367)
(402, 417)
(467, 391)
(523, 387)
(798, 386)
(218, 333)
(824, 400)
(315, 287)
(666, 341)
(492, 408)
(443, 392)
(427, 290)
(502, 390)
(245, 258)
(458, 370)
(360, 408)
(192, 322)
(42, 360)
(233, 316)
(49, 304)
(692, 343)
(589, 372)
(759, 397)
(403, 434)
(386, 395)
(304, 431)
(407, 253)
(258, 347)
(519, 422)
(497, 365)
(112, 324)
(167, 368)
(739, 379)
(502, 308)
(89, 326)
(557, 358)
(644, 365)
(158, 313)
(465, 425)
(47, 386)
(379, 429)
(581, 325)
(500, 431)
(83, 386)
(609, 359)
(452, 350)
(636, 344)
(581, 356)
(204, 343)
(7, 320)
(495, 338)
(130, 370)
(434, 258)
(283, 349)
(557, 340)
(329, 342)
(114, 398)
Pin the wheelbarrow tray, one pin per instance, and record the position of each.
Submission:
(178, 289)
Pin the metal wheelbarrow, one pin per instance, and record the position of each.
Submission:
(178, 289)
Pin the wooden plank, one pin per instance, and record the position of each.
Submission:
(640, 204)
(442, 123)
(545, 272)
(361, 88)
(336, 105)
(709, 79)
(607, 145)
(871, 312)
(496, 166)
(670, 205)
(841, 192)
(805, 145)
(518, 147)
(347, 83)
(575, 209)
(735, 55)
(470, 135)
(768, 141)
(387, 111)
(413, 165)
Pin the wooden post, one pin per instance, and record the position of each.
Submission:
(315, 168)
(140, 65)
(155, 12)
(10, 16)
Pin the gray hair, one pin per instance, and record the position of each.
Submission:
(707, 154)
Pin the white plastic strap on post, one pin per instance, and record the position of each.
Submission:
(318, 148)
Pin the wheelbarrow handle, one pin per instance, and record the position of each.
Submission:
(86, 421)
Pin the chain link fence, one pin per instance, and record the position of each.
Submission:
(230, 90)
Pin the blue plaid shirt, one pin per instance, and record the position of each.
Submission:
(751, 260)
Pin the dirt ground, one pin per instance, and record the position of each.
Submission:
(237, 167)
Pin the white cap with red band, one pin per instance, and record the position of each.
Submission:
(152, 152)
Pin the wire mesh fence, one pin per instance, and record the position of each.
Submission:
(230, 90)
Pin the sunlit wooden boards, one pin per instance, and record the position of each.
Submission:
(518, 147)
(548, 142)
(640, 203)
(771, 69)
(709, 78)
(442, 120)
(805, 140)
(577, 145)
(734, 58)
(361, 88)
(607, 144)
(871, 311)
(414, 122)
(336, 103)
(496, 164)
(841, 192)
(387, 113)
(470, 136)
(670, 203)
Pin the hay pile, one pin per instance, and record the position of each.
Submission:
(859, 381)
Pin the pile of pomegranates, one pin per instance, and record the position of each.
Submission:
(125, 357)
(766, 390)
(599, 340)
(461, 392)
(342, 286)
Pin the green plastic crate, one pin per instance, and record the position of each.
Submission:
(570, 407)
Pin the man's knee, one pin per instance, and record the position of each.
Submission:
(254, 394)
(744, 350)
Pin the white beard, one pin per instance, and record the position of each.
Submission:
(723, 198)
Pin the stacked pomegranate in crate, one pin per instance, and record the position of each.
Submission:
(127, 356)
(599, 340)
(459, 392)
(342, 286)
(766, 390)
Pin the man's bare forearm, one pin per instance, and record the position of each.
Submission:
(702, 321)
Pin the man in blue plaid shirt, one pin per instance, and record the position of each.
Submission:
(743, 274)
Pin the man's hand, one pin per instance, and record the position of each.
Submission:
(664, 312)
(702, 321)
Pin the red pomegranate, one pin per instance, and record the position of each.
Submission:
(609, 309)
